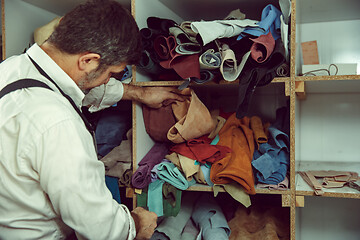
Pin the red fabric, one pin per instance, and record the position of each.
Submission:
(185, 66)
(201, 150)
(235, 166)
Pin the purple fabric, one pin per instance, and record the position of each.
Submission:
(142, 176)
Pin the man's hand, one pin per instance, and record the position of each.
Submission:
(145, 223)
(153, 97)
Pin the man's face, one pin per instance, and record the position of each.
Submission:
(97, 77)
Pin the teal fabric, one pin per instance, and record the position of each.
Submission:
(168, 172)
(155, 197)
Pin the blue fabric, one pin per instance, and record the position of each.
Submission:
(112, 126)
(112, 184)
(155, 197)
(215, 140)
(270, 21)
(210, 219)
(206, 171)
(272, 160)
(128, 73)
(168, 172)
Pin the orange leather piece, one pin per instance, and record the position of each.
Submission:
(235, 166)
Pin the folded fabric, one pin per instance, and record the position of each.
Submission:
(258, 129)
(210, 219)
(236, 191)
(186, 27)
(147, 65)
(118, 161)
(168, 172)
(111, 128)
(270, 21)
(160, 24)
(219, 123)
(262, 47)
(205, 76)
(235, 166)
(210, 60)
(206, 172)
(184, 65)
(257, 74)
(211, 30)
(155, 197)
(272, 160)
(173, 227)
(280, 186)
(112, 184)
(171, 199)
(142, 175)
(158, 121)
(228, 67)
(187, 166)
(201, 151)
(189, 114)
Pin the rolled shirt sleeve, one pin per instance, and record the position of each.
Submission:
(104, 95)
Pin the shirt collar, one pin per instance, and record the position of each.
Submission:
(61, 78)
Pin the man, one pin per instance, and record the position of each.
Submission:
(51, 183)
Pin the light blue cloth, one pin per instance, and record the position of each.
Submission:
(270, 21)
(172, 227)
(206, 171)
(168, 172)
(210, 219)
(155, 197)
(272, 160)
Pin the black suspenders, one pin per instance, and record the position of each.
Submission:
(26, 83)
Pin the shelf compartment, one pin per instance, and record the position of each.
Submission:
(302, 188)
(316, 21)
(328, 218)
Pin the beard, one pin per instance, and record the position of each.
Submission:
(86, 80)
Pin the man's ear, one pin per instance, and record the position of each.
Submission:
(88, 61)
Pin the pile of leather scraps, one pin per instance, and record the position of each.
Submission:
(318, 180)
(260, 222)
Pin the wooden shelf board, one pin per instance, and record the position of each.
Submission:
(177, 83)
(206, 188)
(327, 78)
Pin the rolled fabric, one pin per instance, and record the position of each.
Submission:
(258, 128)
(184, 65)
(142, 176)
(188, 115)
(209, 217)
(262, 47)
(235, 166)
(171, 174)
(228, 67)
(210, 60)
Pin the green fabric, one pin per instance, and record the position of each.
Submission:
(171, 201)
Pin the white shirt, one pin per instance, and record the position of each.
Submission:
(50, 179)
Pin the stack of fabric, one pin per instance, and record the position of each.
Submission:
(229, 49)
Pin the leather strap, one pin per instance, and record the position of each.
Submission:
(22, 83)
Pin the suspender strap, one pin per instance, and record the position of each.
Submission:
(87, 123)
(23, 83)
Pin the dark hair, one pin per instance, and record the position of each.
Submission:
(102, 27)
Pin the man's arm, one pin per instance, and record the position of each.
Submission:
(151, 96)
